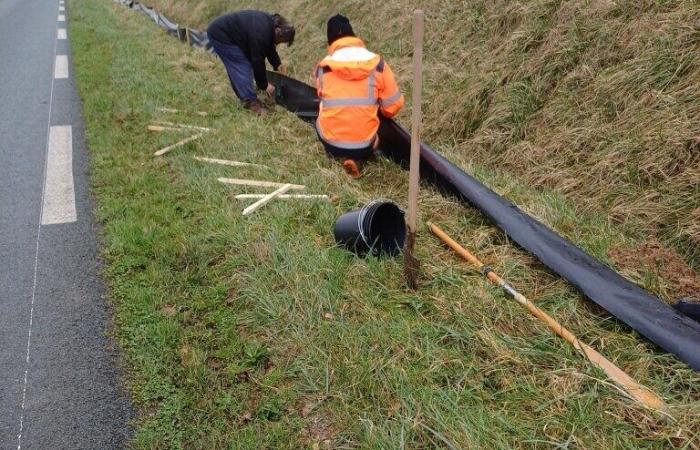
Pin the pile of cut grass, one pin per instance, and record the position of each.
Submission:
(597, 99)
(257, 333)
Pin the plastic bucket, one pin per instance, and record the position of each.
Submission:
(378, 229)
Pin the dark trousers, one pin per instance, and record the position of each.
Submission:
(238, 68)
(356, 154)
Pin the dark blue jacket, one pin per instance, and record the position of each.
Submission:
(254, 33)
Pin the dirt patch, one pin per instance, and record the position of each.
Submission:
(320, 433)
(678, 279)
(168, 310)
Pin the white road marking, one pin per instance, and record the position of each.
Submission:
(61, 17)
(36, 269)
(61, 34)
(59, 192)
(61, 8)
(61, 68)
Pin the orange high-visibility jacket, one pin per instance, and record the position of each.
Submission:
(353, 85)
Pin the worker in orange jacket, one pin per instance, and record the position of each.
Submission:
(354, 86)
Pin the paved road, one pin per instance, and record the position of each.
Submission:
(60, 387)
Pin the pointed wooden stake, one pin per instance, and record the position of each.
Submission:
(266, 199)
(165, 150)
(272, 184)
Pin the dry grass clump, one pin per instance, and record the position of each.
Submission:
(595, 98)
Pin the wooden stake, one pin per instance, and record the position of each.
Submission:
(286, 196)
(165, 150)
(634, 389)
(160, 128)
(225, 162)
(173, 111)
(266, 199)
(182, 125)
(272, 184)
(411, 263)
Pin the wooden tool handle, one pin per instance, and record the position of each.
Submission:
(414, 174)
(634, 389)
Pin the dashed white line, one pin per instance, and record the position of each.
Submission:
(59, 190)
(61, 68)
(61, 34)
(61, 17)
(61, 8)
(36, 269)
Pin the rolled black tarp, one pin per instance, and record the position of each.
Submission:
(658, 322)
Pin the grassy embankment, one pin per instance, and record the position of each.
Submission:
(257, 333)
(597, 99)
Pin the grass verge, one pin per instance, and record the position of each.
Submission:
(257, 333)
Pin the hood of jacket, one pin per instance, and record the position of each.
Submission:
(349, 59)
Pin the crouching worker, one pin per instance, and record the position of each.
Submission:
(243, 40)
(354, 86)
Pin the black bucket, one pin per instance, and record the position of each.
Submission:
(378, 229)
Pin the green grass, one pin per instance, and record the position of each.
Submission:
(258, 333)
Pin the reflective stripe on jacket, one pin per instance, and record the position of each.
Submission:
(353, 85)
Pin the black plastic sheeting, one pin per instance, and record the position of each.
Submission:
(660, 323)
(194, 38)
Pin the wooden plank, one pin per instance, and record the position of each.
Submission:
(226, 162)
(266, 199)
(165, 150)
(272, 184)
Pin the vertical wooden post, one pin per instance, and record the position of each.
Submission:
(411, 264)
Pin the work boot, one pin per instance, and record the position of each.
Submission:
(351, 168)
(256, 107)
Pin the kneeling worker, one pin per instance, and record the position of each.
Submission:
(354, 86)
(243, 40)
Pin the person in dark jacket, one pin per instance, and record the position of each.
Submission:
(243, 40)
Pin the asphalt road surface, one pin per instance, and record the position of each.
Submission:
(60, 385)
